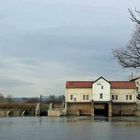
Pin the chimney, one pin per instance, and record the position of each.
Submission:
(131, 76)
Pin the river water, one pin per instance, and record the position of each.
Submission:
(70, 128)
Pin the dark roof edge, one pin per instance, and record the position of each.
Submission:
(102, 78)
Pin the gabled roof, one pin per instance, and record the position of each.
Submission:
(114, 84)
(101, 78)
(79, 84)
(123, 85)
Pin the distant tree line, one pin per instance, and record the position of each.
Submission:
(7, 99)
(48, 99)
(55, 99)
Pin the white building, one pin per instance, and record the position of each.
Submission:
(137, 82)
(101, 90)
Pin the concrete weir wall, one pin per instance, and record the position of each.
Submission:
(79, 109)
(54, 113)
(15, 113)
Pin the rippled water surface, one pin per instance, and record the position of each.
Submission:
(70, 128)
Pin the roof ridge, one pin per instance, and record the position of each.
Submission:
(121, 81)
(79, 81)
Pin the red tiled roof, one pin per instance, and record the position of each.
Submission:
(114, 84)
(79, 84)
(123, 85)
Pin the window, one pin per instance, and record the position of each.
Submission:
(130, 97)
(84, 97)
(126, 97)
(102, 87)
(113, 97)
(116, 97)
(87, 97)
(98, 84)
(71, 97)
(101, 95)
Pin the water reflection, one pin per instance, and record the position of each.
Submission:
(79, 128)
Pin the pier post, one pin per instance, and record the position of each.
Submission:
(66, 108)
(110, 109)
(37, 110)
(92, 108)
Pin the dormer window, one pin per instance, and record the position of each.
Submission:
(98, 84)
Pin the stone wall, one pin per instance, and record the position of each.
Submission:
(115, 109)
(79, 109)
(138, 109)
(123, 109)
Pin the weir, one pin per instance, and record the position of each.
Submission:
(57, 112)
(16, 113)
(37, 110)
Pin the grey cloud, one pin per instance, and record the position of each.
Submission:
(43, 43)
(12, 83)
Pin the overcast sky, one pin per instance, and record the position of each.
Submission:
(44, 43)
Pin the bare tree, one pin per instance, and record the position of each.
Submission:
(133, 17)
(9, 98)
(129, 57)
(1, 98)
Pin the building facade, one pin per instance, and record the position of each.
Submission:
(101, 96)
(101, 90)
(123, 91)
(77, 91)
(137, 82)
